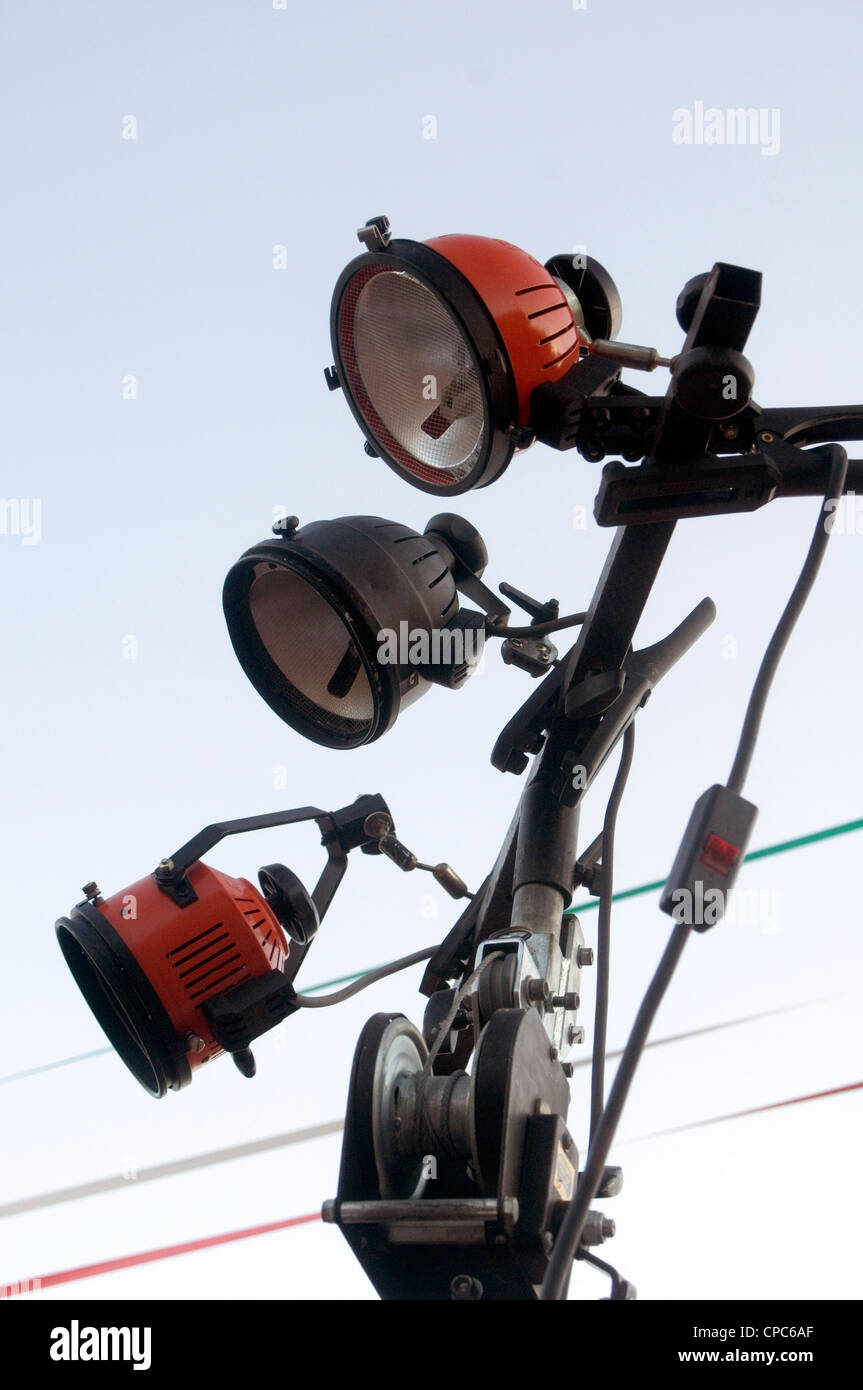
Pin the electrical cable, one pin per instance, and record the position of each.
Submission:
(557, 1275)
(252, 1147)
(24, 1286)
(785, 626)
(799, 842)
(782, 847)
(556, 1279)
(446, 1026)
(603, 938)
(304, 1001)
(752, 1110)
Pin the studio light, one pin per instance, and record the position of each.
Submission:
(439, 345)
(148, 968)
(189, 963)
(341, 624)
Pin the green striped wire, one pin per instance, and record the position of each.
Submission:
(781, 848)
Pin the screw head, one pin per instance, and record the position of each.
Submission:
(584, 956)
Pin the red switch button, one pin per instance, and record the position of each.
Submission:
(719, 855)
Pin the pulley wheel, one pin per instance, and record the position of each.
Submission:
(390, 1050)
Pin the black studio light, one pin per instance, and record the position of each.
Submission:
(341, 624)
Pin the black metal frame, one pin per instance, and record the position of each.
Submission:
(583, 707)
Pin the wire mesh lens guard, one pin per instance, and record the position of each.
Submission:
(413, 374)
(341, 624)
(438, 346)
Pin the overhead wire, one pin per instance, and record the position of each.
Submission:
(111, 1266)
(782, 847)
(231, 1152)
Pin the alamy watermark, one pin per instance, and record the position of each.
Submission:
(437, 646)
(77, 1343)
(742, 907)
(738, 125)
(843, 516)
(22, 517)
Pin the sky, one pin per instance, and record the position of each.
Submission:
(183, 184)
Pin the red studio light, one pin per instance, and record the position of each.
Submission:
(189, 963)
(148, 969)
(440, 344)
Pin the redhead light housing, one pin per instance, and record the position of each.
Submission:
(341, 624)
(439, 346)
(189, 963)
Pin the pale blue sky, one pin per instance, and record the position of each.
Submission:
(153, 258)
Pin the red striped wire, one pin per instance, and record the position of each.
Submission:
(754, 1110)
(165, 1252)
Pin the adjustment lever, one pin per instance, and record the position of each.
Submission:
(406, 860)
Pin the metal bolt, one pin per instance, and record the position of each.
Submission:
(544, 652)
(728, 431)
(286, 525)
(166, 866)
(464, 1288)
(571, 1000)
(766, 437)
(553, 1053)
(516, 641)
(536, 991)
(574, 1035)
(547, 1242)
(597, 1228)
(566, 1142)
(91, 892)
(193, 1042)
(584, 956)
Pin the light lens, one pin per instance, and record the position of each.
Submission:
(413, 375)
(316, 656)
